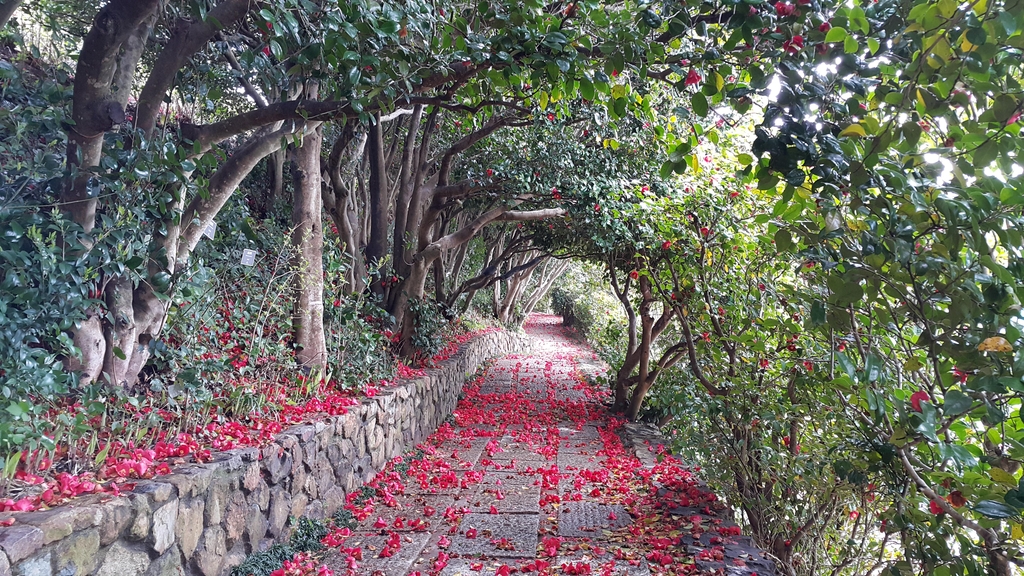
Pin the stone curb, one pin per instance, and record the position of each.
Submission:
(739, 555)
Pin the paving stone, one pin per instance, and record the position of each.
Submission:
(474, 567)
(588, 519)
(597, 564)
(567, 462)
(397, 565)
(515, 498)
(519, 454)
(498, 535)
(411, 507)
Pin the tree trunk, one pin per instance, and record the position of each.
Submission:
(276, 189)
(636, 400)
(378, 207)
(103, 78)
(7, 9)
(96, 108)
(308, 242)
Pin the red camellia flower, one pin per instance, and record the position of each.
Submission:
(784, 9)
(490, 172)
(551, 117)
(956, 498)
(597, 207)
(794, 44)
(666, 244)
(692, 78)
(634, 274)
(935, 508)
(825, 27)
(761, 287)
(704, 231)
(917, 397)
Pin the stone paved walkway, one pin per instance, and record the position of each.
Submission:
(532, 476)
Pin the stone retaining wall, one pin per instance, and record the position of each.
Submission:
(205, 519)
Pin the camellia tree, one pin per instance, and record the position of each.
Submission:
(302, 64)
(893, 141)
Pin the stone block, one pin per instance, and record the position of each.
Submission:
(142, 516)
(124, 560)
(315, 510)
(334, 500)
(280, 507)
(20, 541)
(216, 501)
(251, 477)
(167, 565)
(235, 518)
(156, 491)
(165, 521)
(299, 502)
(278, 465)
(78, 554)
(234, 557)
(225, 463)
(255, 530)
(189, 524)
(211, 551)
(350, 424)
(41, 565)
(115, 516)
(261, 495)
(55, 524)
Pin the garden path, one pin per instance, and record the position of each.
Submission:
(533, 475)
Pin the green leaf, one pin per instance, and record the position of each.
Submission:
(666, 169)
(586, 89)
(836, 34)
(699, 104)
(855, 130)
(994, 509)
(874, 368)
(818, 313)
(985, 154)
(956, 402)
(847, 365)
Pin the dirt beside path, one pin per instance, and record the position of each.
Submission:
(531, 476)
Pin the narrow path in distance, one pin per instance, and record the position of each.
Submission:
(532, 477)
